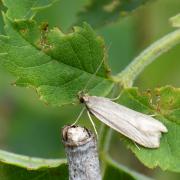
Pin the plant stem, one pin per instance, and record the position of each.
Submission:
(104, 143)
(130, 73)
(104, 138)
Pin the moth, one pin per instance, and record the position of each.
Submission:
(141, 128)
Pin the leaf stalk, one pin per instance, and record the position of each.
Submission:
(130, 73)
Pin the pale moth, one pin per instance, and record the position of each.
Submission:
(139, 127)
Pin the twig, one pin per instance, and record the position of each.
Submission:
(81, 150)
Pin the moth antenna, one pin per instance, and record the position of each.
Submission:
(92, 123)
(80, 114)
(136, 145)
(93, 75)
(98, 68)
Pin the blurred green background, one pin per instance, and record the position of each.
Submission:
(29, 127)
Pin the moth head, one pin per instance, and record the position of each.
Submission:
(82, 96)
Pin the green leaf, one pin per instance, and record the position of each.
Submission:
(175, 20)
(13, 166)
(114, 170)
(26, 9)
(100, 12)
(57, 65)
(165, 104)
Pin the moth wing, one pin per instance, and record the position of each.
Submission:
(139, 127)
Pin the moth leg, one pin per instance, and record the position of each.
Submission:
(152, 115)
(92, 123)
(136, 145)
(80, 114)
(116, 98)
